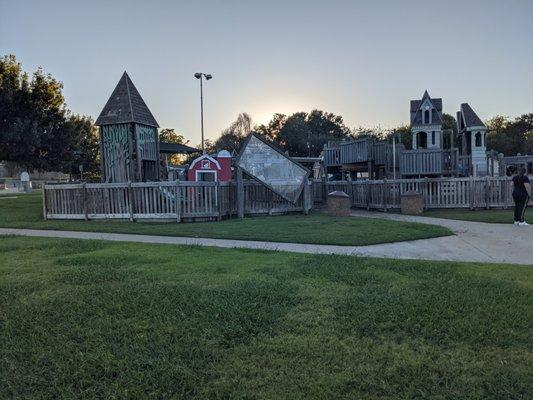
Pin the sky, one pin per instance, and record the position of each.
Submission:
(363, 60)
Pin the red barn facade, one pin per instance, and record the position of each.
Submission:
(209, 169)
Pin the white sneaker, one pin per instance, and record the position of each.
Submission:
(516, 223)
(523, 223)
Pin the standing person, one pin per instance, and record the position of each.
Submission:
(521, 194)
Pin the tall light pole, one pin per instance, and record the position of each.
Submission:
(201, 75)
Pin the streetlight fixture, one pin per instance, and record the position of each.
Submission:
(201, 75)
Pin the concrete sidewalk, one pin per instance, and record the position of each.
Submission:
(473, 241)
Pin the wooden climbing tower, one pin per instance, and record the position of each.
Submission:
(129, 143)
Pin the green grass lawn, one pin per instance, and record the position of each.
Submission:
(102, 320)
(26, 212)
(491, 216)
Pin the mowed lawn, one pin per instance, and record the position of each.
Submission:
(25, 211)
(101, 320)
(491, 216)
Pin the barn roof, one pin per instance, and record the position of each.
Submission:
(126, 105)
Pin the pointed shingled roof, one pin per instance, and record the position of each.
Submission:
(416, 113)
(126, 105)
(470, 118)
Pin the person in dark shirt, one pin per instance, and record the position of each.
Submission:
(521, 194)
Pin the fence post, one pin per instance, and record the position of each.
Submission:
(471, 191)
(177, 195)
(44, 201)
(384, 194)
(487, 191)
(426, 193)
(130, 200)
(84, 196)
(219, 201)
(368, 194)
(240, 194)
(305, 199)
(506, 190)
(270, 201)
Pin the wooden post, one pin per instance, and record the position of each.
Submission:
(240, 194)
(368, 193)
(270, 201)
(44, 201)
(384, 201)
(130, 200)
(84, 196)
(487, 191)
(306, 197)
(471, 191)
(219, 201)
(177, 194)
(157, 156)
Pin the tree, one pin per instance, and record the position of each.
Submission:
(510, 136)
(449, 127)
(403, 133)
(36, 129)
(169, 135)
(304, 134)
(83, 148)
(232, 137)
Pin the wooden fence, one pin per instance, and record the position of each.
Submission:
(488, 192)
(163, 200)
(212, 200)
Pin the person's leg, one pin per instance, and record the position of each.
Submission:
(517, 209)
(524, 206)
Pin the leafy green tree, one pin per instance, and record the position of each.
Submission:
(509, 136)
(449, 128)
(169, 135)
(36, 129)
(403, 133)
(232, 137)
(83, 147)
(304, 134)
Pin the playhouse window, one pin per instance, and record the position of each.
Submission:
(206, 176)
(426, 117)
(433, 137)
(478, 139)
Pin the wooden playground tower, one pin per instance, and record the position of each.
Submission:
(129, 143)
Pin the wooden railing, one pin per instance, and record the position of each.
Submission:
(421, 162)
(356, 151)
(163, 200)
(487, 192)
(332, 156)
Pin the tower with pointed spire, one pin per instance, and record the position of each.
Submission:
(473, 137)
(426, 122)
(129, 142)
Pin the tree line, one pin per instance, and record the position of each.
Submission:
(305, 134)
(38, 132)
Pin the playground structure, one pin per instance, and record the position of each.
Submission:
(376, 159)
(265, 180)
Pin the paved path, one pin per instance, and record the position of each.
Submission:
(474, 241)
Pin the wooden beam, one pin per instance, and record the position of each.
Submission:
(240, 194)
